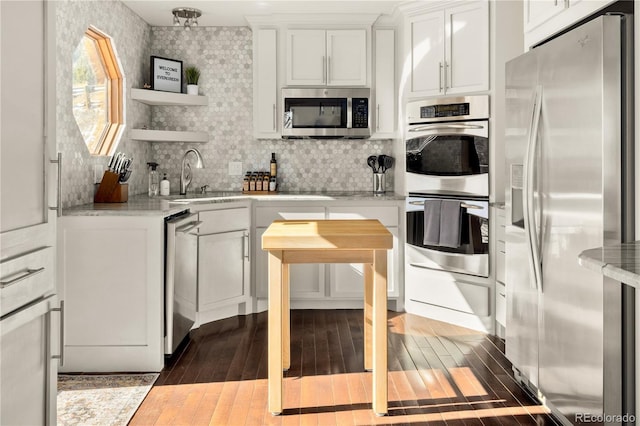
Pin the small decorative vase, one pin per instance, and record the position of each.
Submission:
(192, 89)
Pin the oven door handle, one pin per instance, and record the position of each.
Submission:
(445, 127)
(463, 205)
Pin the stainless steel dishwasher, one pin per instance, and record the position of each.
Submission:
(181, 278)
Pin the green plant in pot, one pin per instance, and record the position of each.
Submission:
(192, 75)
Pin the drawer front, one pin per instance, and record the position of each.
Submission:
(266, 215)
(26, 278)
(387, 215)
(500, 262)
(501, 304)
(214, 221)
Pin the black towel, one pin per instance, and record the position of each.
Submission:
(432, 222)
(450, 223)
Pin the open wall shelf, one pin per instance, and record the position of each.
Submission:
(168, 136)
(155, 97)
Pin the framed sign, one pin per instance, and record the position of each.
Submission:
(166, 74)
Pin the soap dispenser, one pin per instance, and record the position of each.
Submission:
(164, 185)
(154, 180)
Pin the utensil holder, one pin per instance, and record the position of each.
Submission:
(378, 183)
(111, 190)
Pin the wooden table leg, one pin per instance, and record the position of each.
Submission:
(380, 376)
(368, 320)
(286, 319)
(275, 332)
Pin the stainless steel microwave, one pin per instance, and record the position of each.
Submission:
(322, 113)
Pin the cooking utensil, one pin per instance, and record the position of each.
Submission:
(371, 162)
(388, 162)
(381, 163)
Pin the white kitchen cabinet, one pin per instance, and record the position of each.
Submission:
(426, 37)
(28, 365)
(346, 280)
(28, 330)
(384, 87)
(326, 57)
(306, 280)
(111, 277)
(265, 81)
(223, 263)
(449, 50)
(539, 11)
(334, 285)
(500, 296)
(545, 18)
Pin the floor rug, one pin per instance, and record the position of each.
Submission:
(101, 399)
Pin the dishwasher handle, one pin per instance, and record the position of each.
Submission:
(189, 226)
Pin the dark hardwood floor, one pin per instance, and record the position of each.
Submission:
(439, 374)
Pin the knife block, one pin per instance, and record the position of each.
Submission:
(111, 190)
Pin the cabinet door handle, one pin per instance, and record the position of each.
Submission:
(274, 117)
(378, 117)
(29, 274)
(245, 245)
(58, 207)
(324, 69)
(328, 69)
(61, 343)
(446, 79)
(440, 77)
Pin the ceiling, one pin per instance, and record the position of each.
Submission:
(157, 13)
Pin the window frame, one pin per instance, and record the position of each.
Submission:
(115, 125)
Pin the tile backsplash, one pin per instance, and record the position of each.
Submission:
(224, 56)
(130, 37)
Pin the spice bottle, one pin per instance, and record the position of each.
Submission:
(259, 182)
(245, 182)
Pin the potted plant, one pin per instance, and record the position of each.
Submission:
(192, 75)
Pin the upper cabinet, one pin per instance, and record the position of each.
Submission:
(384, 83)
(326, 57)
(449, 50)
(546, 18)
(538, 11)
(265, 83)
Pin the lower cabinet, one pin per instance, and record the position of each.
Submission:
(331, 285)
(501, 281)
(28, 365)
(223, 263)
(110, 276)
(306, 280)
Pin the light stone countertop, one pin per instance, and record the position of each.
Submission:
(143, 205)
(620, 262)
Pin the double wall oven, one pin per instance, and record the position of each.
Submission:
(447, 177)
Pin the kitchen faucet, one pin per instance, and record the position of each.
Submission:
(185, 172)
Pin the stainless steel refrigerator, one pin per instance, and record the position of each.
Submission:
(569, 159)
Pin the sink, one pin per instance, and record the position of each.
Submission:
(207, 196)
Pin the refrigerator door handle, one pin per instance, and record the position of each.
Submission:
(529, 203)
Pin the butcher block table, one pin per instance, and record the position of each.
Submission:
(328, 241)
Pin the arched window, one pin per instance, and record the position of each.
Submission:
(98, 93)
